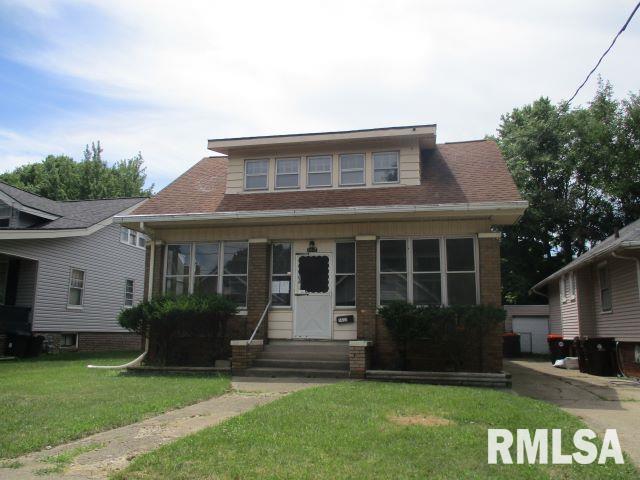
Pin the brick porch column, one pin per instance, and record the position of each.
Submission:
(490, 294)
(258, 289)
(366, 286)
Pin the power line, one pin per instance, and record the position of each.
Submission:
(605, 52)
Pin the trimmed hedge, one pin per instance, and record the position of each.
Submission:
(454, 328)
(171, 321)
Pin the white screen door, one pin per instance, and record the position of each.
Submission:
(313, 302)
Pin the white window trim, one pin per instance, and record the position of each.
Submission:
(84, 285)
(330, 172)
(443, 263)
(604, 266)
(373, 167)
(363, 170)
(69, 347)
(266, 175)
(355, 275)
(271, 274)
(275, 180)
(242, 309)
(568, 279)
(133, 294)
(137, 235)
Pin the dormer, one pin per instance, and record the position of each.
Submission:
(383, 157)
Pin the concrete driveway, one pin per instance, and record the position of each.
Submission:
(602, 402)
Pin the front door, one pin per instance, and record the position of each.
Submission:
(313, 301)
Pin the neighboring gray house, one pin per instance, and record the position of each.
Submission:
(66, 270)
(598, 295)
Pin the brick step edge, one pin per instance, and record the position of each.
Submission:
(294, 372)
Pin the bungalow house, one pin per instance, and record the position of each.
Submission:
(311, 233)
(66, 270)
(598, 295)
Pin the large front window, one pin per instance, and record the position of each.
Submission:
(194, 268)
(429, 271)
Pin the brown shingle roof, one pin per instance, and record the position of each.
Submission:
(464, 172)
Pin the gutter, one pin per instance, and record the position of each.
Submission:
(311, 212)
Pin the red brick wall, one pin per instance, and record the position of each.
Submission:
(258, 294)
(366, 287)
(97, 341)
(627, 356)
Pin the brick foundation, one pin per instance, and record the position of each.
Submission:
(96, 341)
(366, 288)
(243, 355)
(258, 290)
(627, 358)
(359, 358)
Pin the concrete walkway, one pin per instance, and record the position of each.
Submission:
(602, 402)
(102, 454)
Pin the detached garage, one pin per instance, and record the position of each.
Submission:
(531, 322)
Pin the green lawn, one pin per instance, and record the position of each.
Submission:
(54, 399)
(346, 431)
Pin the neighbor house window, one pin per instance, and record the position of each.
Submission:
(128, 293)
(5, 216)
(178, 269)
(76, 288)
(345, 274)
(605, 288)
(319, 171)
(131, 237)
(568, 286)
(287, 172)
(69, 340)
(256, 174)
(195, 268)
(281, 274)
(430, 271)
(385, 167)
(352, 169)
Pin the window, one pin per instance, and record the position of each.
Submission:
(5, 216)
(205, 268)
(76, 288)
(352, 169)
(128, 293)
(131, 237)
(385, 167)
(430, 271)
(568, 287)
(69, 340)
(256, 174)
(234, 276)
(319, 171)
(287, 172)
(281, 274)
(461, 274)
(393, 271)
(605, 288)
(194, 268)
(427, 278)
(178, 269)
(345, 274)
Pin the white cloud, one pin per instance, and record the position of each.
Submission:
(210, 69)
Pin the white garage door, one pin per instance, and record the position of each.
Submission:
(533, 333)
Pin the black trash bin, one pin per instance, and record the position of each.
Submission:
(35, 346)
(559, 348)
(597, 356)
(18, 345)
(511, 345)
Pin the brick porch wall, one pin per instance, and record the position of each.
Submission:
(366, 288)
(491, 294)
(258, 290)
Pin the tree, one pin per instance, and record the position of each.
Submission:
(61, 178)
(579, 168)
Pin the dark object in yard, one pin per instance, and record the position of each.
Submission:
(597, 356)
(35, 346)
(558, 347)
(511, 345)
(18, 345)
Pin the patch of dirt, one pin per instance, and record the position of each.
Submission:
(424, 420)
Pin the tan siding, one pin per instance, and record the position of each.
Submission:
(280, 324)
(555, 320)
(623, 322)
(584, 293)
(569, 315)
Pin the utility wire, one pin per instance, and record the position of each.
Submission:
(605, 52)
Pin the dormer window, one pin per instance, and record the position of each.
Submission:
(319, 171)
(352, 169)
(287, 172)
(256, 174)
(385, 167)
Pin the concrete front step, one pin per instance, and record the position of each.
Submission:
(295, 372)
(324, 364)
(287, 355)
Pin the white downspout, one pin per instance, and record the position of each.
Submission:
(135, 362)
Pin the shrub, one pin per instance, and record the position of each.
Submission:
(454, 328)
(167, 319)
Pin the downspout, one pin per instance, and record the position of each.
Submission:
(637, 260)
(137, 361)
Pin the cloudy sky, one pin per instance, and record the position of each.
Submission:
(161, 77)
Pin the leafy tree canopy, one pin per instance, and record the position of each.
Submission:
(579, 168)
(59, 177)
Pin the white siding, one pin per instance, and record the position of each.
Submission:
(107, 264)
